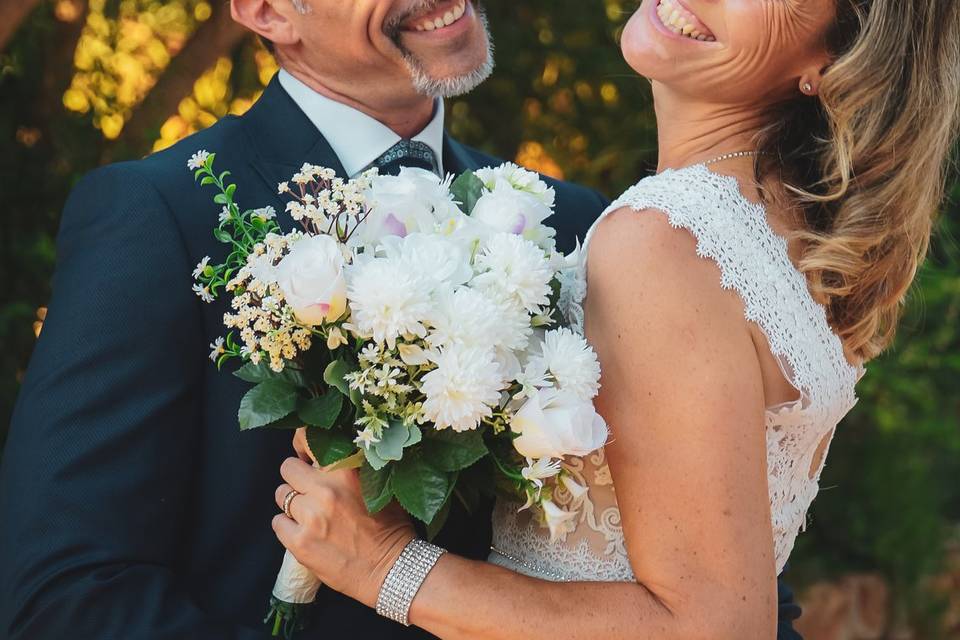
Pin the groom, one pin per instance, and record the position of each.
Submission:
(131, 506)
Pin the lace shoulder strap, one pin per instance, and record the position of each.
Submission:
(753, 260)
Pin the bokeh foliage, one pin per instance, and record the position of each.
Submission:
(562, 101)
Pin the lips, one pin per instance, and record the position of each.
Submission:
(677, 18)
(444, 15)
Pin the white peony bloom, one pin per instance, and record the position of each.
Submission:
(553, 424)
(520, 179)
(387, 300)
(506, 210)
(515, 269)
(415, 200)
(559, 521)
(462, 389)
(311, 278)
(572, 363)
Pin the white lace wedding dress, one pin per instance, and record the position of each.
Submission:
(753, 260)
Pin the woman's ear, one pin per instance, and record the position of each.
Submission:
(267, 18)
(812, 77)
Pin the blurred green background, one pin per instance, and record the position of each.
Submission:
(83, 82)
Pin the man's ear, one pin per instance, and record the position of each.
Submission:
(267, 18)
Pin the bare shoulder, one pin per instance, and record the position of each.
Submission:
(637, 259)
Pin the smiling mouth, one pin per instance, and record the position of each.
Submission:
(445, 15)
(682, 22)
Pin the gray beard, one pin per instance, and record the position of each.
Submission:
(429, 86)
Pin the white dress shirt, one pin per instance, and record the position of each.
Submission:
(355, 137)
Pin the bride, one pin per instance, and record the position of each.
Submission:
(733, 300)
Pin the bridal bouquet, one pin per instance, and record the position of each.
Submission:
(410, 324)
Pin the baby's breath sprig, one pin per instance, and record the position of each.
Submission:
(325, 203)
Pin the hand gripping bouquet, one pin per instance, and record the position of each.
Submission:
(410, 326)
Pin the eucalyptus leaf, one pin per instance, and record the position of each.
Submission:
(373, 459)
(266, 403)
(321, 411)
(392, 441)
(329, 446)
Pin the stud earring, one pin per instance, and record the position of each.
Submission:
(807, 87)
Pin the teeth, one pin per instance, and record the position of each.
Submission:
(681, 21)
(446, 20)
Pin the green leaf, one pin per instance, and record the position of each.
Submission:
(466, 190)
(392, 441)
(266, 403)
(375, 487)
(221, 198)
(222, 235)
(334, 373)
(373, 459)
(262, 372)
(420, 487)
(230, 190)
(292, 422)
(449, 450)
(329, 446)
(435, 525)
(321, 411)
(207, 180)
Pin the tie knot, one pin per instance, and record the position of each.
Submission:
(407, 153)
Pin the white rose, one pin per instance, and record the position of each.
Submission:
(553, 424)
(508, 210)
(519, 178)
(415, 200)
(311, 278)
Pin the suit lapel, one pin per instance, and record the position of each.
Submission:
(456, 157)
(282, 140)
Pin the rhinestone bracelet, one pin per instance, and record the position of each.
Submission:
(404, 579)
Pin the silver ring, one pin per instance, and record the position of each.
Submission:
(293, 493)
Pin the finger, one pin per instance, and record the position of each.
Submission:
(296, 506)
(287, 531)
(299, 475)
(301, 446)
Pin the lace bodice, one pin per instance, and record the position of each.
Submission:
(753, 261)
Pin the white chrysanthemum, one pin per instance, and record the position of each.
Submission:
(572, 363)
(516, 269)
(520, 179)
(465, 317)
(442, 262)
(463, 388)
(387, 300)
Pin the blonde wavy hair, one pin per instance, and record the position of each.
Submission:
(865, 163)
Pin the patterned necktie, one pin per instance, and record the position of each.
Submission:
(406, 153)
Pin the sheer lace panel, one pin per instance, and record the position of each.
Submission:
(753, 261)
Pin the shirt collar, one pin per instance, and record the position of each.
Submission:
(355, 137)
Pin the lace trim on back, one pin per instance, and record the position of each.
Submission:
(753, 260)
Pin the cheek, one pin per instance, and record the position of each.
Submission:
(641, 46)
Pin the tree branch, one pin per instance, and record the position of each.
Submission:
(216, 37)
(12, 14)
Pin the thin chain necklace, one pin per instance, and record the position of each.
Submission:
(728, 156)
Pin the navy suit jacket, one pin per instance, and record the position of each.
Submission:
(131, 505)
